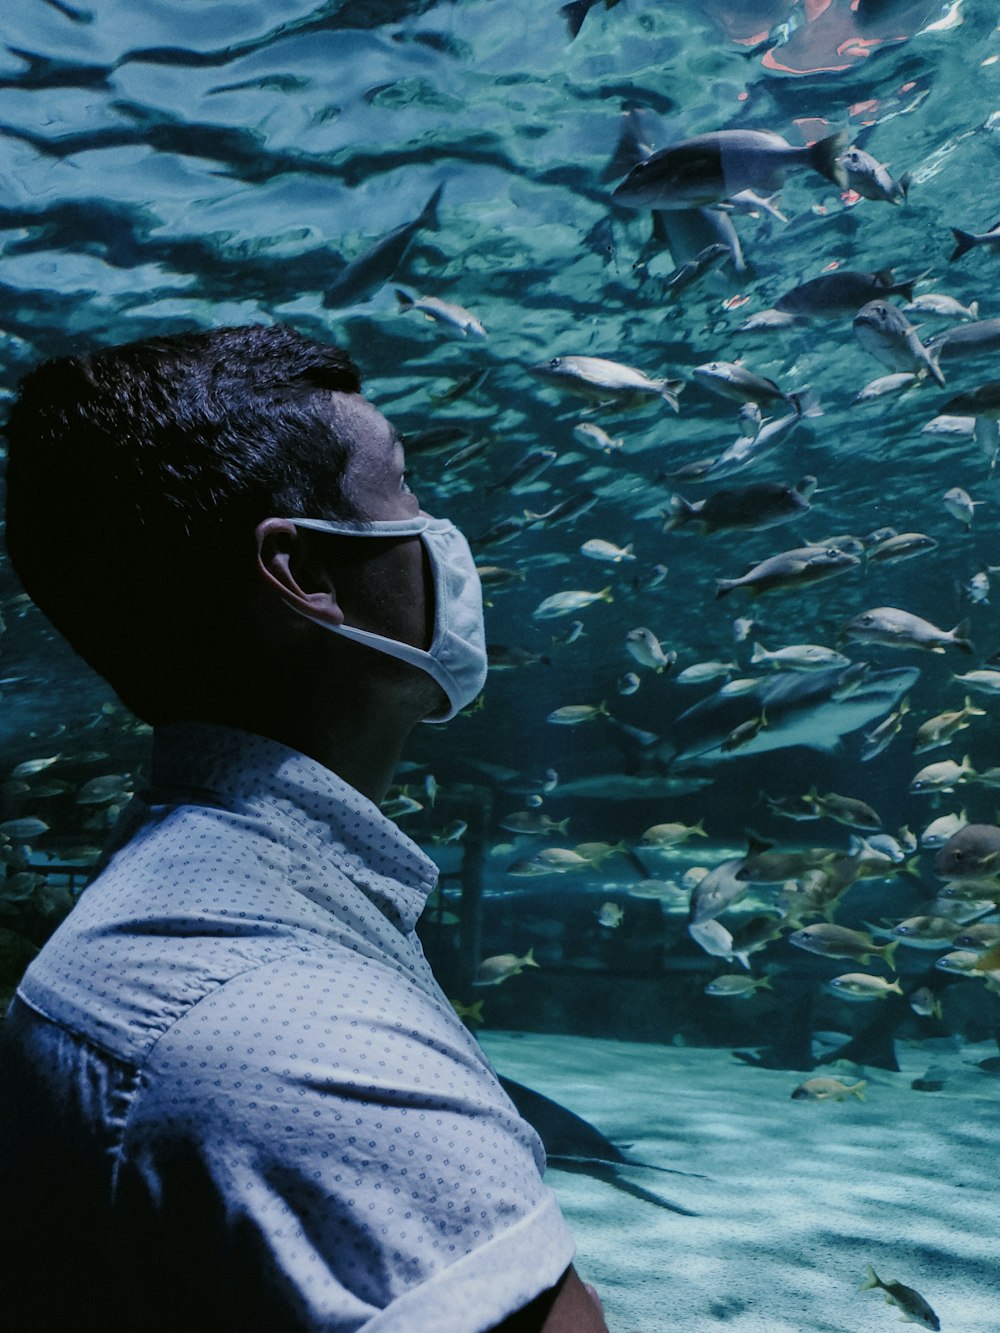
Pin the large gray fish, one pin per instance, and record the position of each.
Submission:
(979, 338)
(712, 167)
(894, 628)
(790, 569)
(731, 380)
(884, 330)
(752, 508)
(982, 401)
(365, 274)
(813, 709)
(841, 293)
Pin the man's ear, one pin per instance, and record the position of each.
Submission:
(286, 561)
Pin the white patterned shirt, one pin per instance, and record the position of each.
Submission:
(232, 1095)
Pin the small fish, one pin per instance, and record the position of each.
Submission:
(831, 941)
(21, 830)
(561, 858)
(925, 932)
(451, 833)
(846, 810)
(712, 167)
(828, 1089)
(501, 967)
(569, 635)
(966, 342)
(595, 438)
(939, 830)
(628, 683)
(508, 657)
(978, 588)
(655, 577)
(886, 384)
(915, 1309)
(893, 628)
(603, 381)
(901, 546)
(715, 939)
(734, 985)
(110, 787)
(647, 650)
(732, 380)
(571, 715)
(960, 505)
(744, 733)
(943, 776)
(925, 1004)
(504, 531)
(526, 470)
(29, 767)
(472, 1014)
(717, 891)
(941, 306)
(455, 319)
(685, 274)
(610, 915)
(861, 986)
(799, 657)
(790, 569)
(871, 179)
(884, 331)
(984, 681)
(750, 420)
(564, 603)
(496, 576)
(597, 549)
(701, 673)
(564, 511)
(534, 823)
(596, 853)
(671, 835)
(940, 729)
(398, 806)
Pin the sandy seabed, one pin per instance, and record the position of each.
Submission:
(798, 1196)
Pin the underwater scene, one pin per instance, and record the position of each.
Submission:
(688, 313)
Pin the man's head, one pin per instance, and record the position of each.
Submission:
(140, 483)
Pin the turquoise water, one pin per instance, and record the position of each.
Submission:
(168, 167)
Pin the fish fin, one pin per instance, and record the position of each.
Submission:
(871, 1281)
(858, 1090)
(681, 511)
(406, 302)
(824, 156)
(575, 14)
(904, 185)
(723, 587)
(756, 844)
(759, 653)
(933, 354)
(961, 633)
(428, 217)
(974, 309)
(964, 241)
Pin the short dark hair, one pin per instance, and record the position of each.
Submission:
(136, 472)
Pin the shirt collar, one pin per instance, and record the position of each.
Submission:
(228, 766)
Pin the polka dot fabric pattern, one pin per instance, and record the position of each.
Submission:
(267, 1110)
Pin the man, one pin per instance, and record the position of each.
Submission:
(231, 1094)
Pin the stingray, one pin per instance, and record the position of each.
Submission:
(573, 1144)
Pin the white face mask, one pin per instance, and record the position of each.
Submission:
(456, 658)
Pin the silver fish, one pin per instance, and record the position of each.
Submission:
(888, 335)
(871, 179)
(365, 274)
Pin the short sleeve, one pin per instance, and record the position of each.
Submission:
(320, 1144)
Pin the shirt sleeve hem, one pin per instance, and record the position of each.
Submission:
(482, 1288)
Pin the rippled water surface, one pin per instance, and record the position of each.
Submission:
(170, 167)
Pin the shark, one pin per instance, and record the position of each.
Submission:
(815, 709)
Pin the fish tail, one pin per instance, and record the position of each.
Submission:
(824, 157)
(964, 241)
(974, 309)
(858, 1090)
(429, 218)
(806, 403)
(606, 595)
(681, 511)
(759, 653)
(961, 637)
(723, 587)
(529, 958)
(406, 302)
(575, 13)
(904, 186)
(872, 1280)
(905, 289)
(887, 952)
